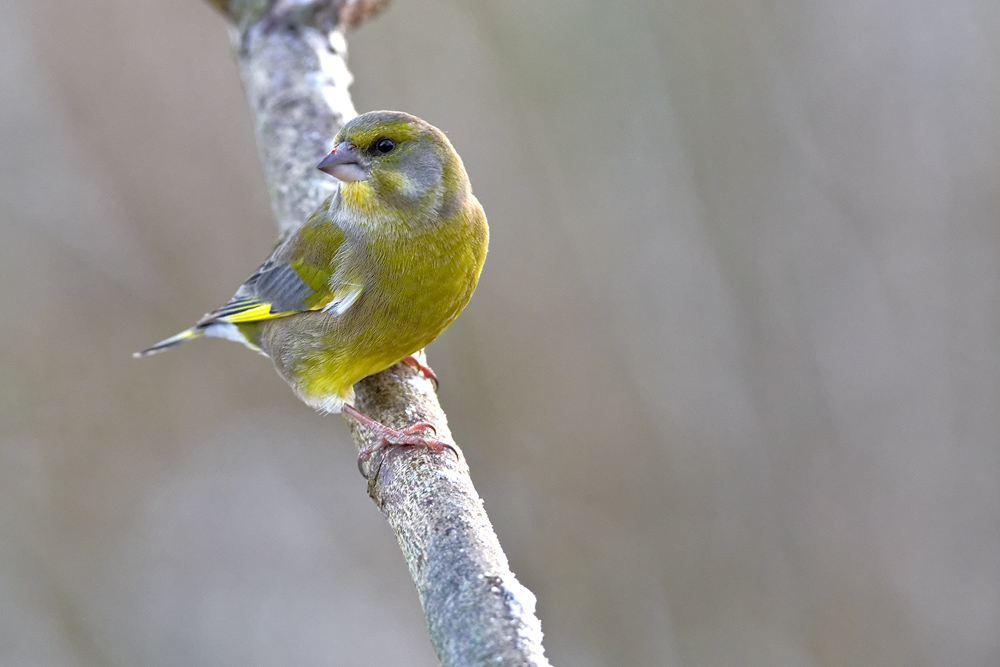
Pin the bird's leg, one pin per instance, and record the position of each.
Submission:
(386, 436)
(422, 368)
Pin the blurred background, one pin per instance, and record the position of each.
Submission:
(730, 386)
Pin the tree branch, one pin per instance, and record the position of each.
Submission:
(292, 60)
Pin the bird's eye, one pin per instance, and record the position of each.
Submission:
(385, 145)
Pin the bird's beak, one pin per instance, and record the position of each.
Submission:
(345, 163)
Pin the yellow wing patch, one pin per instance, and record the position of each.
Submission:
(255, 313)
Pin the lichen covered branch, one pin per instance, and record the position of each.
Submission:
(292, 58)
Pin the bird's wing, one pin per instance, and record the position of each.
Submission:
(301, 275)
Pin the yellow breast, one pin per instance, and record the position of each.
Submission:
(417, 285)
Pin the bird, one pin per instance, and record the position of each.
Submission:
(377, 272)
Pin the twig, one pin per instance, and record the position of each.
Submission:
(292, 59)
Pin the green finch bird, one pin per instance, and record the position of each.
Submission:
(384, 265)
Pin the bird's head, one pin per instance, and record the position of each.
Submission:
(402, 160)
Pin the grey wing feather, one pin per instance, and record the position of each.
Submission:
(274, 283)
(281, 286)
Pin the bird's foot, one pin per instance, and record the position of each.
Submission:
(413, 362)
(385, 436)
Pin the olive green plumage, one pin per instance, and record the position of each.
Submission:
(375, 274)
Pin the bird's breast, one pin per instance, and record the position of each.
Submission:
(416, 286)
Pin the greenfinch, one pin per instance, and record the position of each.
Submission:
(381, 268)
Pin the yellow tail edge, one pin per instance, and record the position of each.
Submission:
(193, 332)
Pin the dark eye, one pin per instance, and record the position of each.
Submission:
(385, 145)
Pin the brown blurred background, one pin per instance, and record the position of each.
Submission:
(729, 387)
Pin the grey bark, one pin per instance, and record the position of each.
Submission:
(292, 58)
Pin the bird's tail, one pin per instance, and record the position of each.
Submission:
(193, 332)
